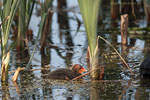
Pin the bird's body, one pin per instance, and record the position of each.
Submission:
(66, 74)
(63, 74)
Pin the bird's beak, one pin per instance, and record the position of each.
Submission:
(82, 70)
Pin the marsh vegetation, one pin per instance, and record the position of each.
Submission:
(41, 36)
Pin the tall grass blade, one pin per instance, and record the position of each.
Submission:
(21, 25)
(9, 9)
(89, 11)
(29, 9)
(6, 10)
(36, 42)
(6, 29)
(45, 7)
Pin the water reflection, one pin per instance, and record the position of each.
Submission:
(94, 95)
(5, 91)
(63, 22)
(69, 47)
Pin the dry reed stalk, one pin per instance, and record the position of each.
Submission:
(4, 20)
(15, 77)
(124, 29)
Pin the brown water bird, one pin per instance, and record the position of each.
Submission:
(66, 74)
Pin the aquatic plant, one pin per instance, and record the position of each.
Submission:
(9, 8)
(21, 25)
(89, 11)
(45, 6)
(22, 20)
(37, 38)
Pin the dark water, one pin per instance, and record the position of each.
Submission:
(69, 42)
